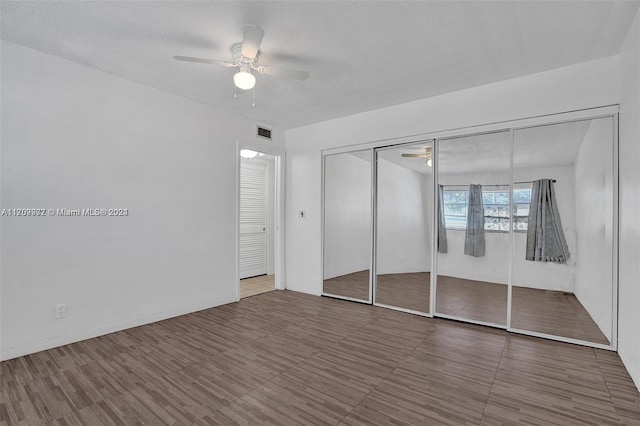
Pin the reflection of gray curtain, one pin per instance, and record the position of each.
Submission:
(545, 237)
(442, 229)
(474, 236)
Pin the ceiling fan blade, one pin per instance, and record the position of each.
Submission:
(251, 41)
(416, 155)
(204, 61)
(283, 72)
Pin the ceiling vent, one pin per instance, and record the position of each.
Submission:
(264, 133)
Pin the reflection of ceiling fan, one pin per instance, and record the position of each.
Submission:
(426, 154)
(245, 58)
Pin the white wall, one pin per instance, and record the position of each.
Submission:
(74, 137)
(594, 230)
(580, 86)
(629, 257)
(347, 245)
(404, 221)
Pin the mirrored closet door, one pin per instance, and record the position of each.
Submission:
(474, 175)
(404, 220)
(514, 228)
(563, 268)
(347, 225)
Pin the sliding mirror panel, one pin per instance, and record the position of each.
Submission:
(347, 225)
(562, 276)
(474, 175)
(404, 212)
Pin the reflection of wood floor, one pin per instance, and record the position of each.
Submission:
(355, 285)
(553, 312)
(409, 291)
(257, 285)
(542, 311)
(475, 300)
(286, 358)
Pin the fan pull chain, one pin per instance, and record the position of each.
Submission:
(235, 92)
(254, 97)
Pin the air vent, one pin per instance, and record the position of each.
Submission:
(264, 133)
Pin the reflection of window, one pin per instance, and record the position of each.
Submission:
(455, 208)
(521, 201)
(496, 208)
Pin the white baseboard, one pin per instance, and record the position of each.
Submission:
(633, 370)
(54, 342)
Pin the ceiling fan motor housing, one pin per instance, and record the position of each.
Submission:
(238, 59)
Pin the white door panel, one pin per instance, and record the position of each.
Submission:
(253, 219)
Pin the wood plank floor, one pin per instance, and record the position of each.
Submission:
(543, 311)
(257, 285)
(285, 358)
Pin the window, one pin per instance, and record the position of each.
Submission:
(496, 208)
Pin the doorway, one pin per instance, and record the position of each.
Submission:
(257, 195)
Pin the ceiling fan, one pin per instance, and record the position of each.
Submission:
(245, 58)
(426, 154)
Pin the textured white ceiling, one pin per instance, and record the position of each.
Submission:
(538, 147)
(361, 55)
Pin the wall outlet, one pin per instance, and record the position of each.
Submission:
(61, 311)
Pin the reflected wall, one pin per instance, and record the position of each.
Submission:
(347, 225)
(404, 217)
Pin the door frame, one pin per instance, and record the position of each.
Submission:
(279, 234)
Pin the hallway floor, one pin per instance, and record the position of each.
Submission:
(257, 285)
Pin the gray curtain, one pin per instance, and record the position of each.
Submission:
(474, 236)
(442, 229)
(545, 237)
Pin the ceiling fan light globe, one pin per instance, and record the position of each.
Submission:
(244, 80)
(429, 163)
